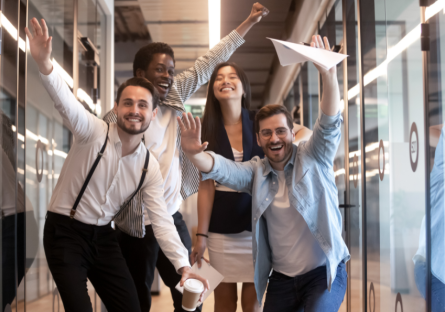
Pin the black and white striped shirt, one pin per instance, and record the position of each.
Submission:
(162, 138)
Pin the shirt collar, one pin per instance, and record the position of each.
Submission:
(114, 138)
(268, 168)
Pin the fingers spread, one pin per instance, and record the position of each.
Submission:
(198, 124)
(37, 28)
(326, 43)
(191, 121)
(180, 123)
(185, 121)
(28, 33)
(320, 42)
(44, 28)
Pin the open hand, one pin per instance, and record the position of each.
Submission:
(317, 42)
(258, 11)
(40, 45)
(191, 135)
(187, 273)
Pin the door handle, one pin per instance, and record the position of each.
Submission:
(347, 206)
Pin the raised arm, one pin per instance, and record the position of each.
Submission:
(237, 176)
(301, 134)
(82, 124)
(325, 139)
(191, 79)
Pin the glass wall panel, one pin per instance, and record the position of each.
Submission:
(436, 81)
(354, 215)
(11, 210)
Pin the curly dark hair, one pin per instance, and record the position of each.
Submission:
(145, 54)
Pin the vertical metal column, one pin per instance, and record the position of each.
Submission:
(346, 134)
(75, 50)
(16, 143)
(362, 159)
(425, 46)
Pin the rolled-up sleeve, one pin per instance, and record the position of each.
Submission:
(235, 175)
(162, 222)
(326, 138)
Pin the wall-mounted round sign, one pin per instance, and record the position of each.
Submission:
(381, 160)
(399, 299)
(371, 298)
(40, 147)
(413, 147)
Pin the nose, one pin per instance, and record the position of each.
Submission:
(274, 137)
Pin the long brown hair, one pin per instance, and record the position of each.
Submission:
(213, 118)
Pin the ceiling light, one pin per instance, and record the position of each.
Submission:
(214, 22)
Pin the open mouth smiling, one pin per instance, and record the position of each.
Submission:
(225, 89)
(164, 86)
(276, 148)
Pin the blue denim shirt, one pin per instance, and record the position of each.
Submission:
(437, 213)
(312, 191)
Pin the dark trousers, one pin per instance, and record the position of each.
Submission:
(437, 287)
(307, 292)
(143, 255)
(76, 252)
(12, 246)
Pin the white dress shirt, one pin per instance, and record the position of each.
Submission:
(161, 138)
(115, 177)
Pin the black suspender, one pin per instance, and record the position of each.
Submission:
(144, 173)
(90, 174)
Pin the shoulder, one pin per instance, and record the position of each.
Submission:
(110, 117)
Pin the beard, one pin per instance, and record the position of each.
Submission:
(132, 130)
(283, 156)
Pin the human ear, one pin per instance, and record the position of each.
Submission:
(115, 107)
(140, 73)
(155, 112)
(258, 139)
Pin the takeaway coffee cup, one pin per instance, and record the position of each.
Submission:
(192, 291)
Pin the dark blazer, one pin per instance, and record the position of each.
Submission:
(232, 211)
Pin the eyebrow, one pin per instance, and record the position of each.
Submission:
(163, 65)
(141, 100)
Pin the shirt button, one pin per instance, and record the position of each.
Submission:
(254, 219)
(274, 183)
(267, 198)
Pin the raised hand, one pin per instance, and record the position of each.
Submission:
(317, 42)
(191, 135)
(40, 45)
(258, 11)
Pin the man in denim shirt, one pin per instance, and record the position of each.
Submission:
(296, 224)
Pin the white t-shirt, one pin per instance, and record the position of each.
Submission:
(295, 251)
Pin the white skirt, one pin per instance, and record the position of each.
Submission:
(231, 255)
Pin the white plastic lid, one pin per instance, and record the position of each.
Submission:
(194, 286)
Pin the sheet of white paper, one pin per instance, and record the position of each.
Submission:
(208, 272)
(292, 53)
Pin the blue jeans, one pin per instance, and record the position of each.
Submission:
(307, 292)
(437, 287)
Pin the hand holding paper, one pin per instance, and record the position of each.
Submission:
(292, 53)
(207, 272)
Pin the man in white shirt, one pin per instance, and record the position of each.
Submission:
(181, 179)
(79, 241)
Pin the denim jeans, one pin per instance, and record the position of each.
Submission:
(307, 292)
(437, 287)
